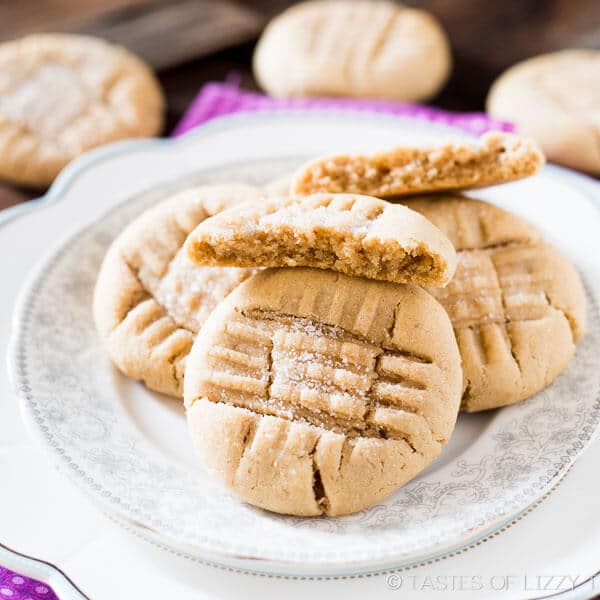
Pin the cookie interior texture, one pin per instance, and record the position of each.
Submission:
(355, 235)
(516, 304)
(310, 392)
(64, 94)
(495, 158)
(364, 48)
(150, 300)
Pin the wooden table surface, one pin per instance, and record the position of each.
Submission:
(190, 42)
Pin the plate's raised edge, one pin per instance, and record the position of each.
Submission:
(226, 122)
(43, 571)
(270, 569)
(584, 590)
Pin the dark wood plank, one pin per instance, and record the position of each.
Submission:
(20, 17)
(488, 37)
(181, 84)
(164, 33)
(169, 33)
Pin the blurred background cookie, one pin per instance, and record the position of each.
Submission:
(555, 98)
(61, 95)
(375, 49)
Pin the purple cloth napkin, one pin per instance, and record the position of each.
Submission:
(218, 99)
(18, 587)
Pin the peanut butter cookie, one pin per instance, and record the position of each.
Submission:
(363, 48)
(555, 98)
(61, 95)
(150, 300)
(310, 392)
(495, 158)
(516, 304)
(356, 235)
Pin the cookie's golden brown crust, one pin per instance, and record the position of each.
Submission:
(495, 158)
(311, 392)
(150, 300)
(355, 235)
(61, 95)
(516, 304)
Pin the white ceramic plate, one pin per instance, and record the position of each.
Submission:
(128, 448)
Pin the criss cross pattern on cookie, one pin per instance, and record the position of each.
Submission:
(298, 370)
(516, 304)
(497, 285)
(324, 374)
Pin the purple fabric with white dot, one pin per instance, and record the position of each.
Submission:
(14, 586)
(218, 99)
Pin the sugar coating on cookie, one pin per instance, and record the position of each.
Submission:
(555, 98)
(356, 235)
(150, 300)
(516, 304)
(310, 392)
(364, 48)
(61, 95)
(495, 158)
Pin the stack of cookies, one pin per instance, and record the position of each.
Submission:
(324, 340)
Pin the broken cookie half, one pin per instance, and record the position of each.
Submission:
(495, 158)
(356, 235)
